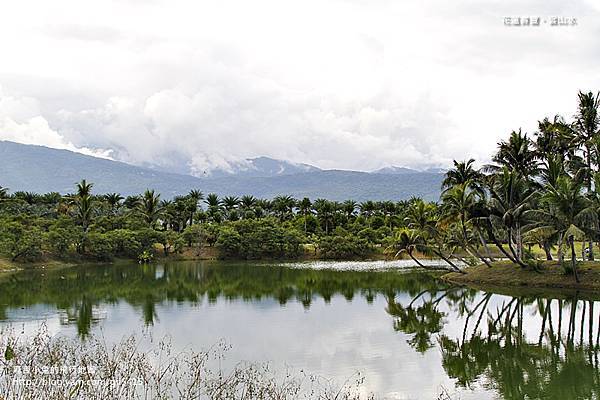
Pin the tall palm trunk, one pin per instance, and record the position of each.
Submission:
(517, 259)
(573, 258)
(561, 255)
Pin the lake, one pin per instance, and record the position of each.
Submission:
(409, 334)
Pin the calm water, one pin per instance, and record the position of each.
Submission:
(408, 333)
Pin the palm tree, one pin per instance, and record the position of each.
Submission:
(349, 208)
(212, 201)
(284, 206)
(566, 212)
(113, 200)
(554, 138)
(586, 131)
(28, 197)
(325, 212)
(458, 205)
(305, 209)
(150, 208)
(247, 202)
(462, 173)
(367, 208)
(194, 196)
(84, 209)
(230, 203)
(408, 241)
(511, 196)
(84, 188)
(421, 217)
(517, 154)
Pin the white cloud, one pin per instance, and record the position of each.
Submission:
(339, 84)
(20, 122)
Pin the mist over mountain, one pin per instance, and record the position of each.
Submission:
(41, 169)
(259, 167)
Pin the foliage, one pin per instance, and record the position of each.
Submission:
(340, 246)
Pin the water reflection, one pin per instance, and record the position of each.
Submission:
(561, 362)
(517, 345)
(78, 291)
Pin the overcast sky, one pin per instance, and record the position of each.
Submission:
(339, 84)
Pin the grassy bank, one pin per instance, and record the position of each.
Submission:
(508, 275)
(309, 253)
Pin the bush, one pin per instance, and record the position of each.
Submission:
(126, 242)
(261, 238)
(20, 241)
(100, 246)
(343, 247)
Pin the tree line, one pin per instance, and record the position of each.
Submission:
(539, 190)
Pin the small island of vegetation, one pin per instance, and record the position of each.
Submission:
(530, 216)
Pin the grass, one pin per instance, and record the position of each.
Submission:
(508, 275)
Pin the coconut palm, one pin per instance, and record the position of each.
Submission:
(408, 241)
(150, 207)
(586, 131)
(462, 173)
(511, 196)
(517, 154)
(458, 205)
(567, 212)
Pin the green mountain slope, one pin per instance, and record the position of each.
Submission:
(41, 169)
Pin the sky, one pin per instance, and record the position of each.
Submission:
(354, 84)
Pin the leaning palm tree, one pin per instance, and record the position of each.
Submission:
(408, 241)
(511, 195)
(150, 208)
(458, 206)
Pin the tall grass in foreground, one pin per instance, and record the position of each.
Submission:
(43, 367)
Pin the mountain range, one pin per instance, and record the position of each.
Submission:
(42, 169)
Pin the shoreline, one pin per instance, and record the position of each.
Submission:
(510, 277)
(503, 277)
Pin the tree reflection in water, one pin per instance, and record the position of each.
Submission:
(493, 349)
(521, 346)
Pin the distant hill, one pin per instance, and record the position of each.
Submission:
(260, 167)
(41, 169)
(393, 170)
